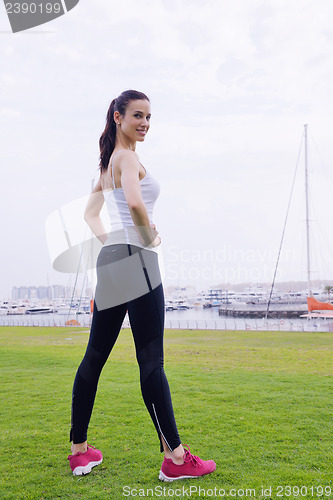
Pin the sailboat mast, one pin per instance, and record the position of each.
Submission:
(307, 221)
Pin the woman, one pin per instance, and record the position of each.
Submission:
(128, 279)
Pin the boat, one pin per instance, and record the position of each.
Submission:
(181, 305)
(213, 298)
(39, 310)
(313, 304)
(318, 309)
(178, 304)
(169, 305)
(13, 309)
(4, 310)
(315, 309)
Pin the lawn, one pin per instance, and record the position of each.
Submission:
(258, 403)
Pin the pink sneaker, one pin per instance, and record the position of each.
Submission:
(82, 463)
(192, 467)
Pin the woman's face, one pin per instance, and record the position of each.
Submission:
(136, 121)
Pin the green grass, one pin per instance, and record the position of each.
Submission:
(259, 403)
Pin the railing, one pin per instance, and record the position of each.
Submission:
(221, 324)
(183, 324)
(6, 321)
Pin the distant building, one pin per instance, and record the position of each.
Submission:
(21, 293)
(38, 292)
(44, 292)
(59, 291)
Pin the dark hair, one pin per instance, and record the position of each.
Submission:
(107, 140)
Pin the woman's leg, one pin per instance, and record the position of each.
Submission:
(104, 331)
(108, 316)
(146, 315)
(147, 321)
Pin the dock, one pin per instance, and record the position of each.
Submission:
(259, 310)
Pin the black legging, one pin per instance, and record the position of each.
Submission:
(146, 315)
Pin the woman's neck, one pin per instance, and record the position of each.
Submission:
(121, 143)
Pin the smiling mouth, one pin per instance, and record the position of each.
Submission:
(142, 132)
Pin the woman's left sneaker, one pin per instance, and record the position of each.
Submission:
(191, 468)
(82, 463)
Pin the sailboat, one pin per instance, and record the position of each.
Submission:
(319, 309)
(316, 309)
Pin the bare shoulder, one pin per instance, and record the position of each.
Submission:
(126, 156)
(127, 161)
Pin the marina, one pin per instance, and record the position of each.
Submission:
(214, 309)
(185, 320)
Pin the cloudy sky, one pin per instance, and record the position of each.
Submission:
(231, 86)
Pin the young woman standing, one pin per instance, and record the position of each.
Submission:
(128, 279)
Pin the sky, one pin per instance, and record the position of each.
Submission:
(231, 86)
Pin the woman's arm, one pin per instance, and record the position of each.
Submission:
(129, 166)
(92, 211)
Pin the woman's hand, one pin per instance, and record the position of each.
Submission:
(155, 243)
(157, 240)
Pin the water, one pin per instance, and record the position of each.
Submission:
(194, 319)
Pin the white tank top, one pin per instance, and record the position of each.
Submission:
(122, 226)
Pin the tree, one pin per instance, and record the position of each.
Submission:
(328, 289)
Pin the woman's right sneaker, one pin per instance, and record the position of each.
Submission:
(82, 463)
(191, 468)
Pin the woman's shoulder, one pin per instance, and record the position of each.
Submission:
(124, 155)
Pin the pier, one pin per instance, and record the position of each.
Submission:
(259, 310)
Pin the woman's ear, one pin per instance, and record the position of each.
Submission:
(116, 117)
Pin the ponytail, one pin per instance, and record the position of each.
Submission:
(107, 141)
